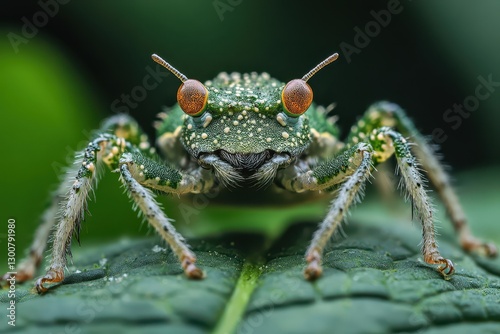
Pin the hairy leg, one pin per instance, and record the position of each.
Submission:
(72, 208)
(350, 169)
(390, 114)
(387, 142)
(117, 134)
(121, 126)
(137, 172)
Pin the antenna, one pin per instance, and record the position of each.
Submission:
(318, 67)
(172, 69)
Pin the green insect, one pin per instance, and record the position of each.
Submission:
(252, 132)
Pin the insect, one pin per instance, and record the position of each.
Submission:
(266, 137)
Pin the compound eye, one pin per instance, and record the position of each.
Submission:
(192, 97)
(297, 96)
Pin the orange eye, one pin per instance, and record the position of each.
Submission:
(297, 96)
(192, 97)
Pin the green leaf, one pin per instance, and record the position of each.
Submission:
(374, 282)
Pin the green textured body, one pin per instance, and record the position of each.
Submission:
(244, 110)
(247, 140)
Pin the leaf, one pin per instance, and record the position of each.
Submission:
(374, 281)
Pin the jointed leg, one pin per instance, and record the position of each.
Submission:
(120, 125)
(386, 141)
(69, 206)
(390, 114)
(349, 171)
(352, 168)
(137, 171)
(73, 208)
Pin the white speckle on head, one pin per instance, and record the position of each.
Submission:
(193, 146)
(268, 139)
(227, 129)
(157, 179)
(240, 117)
(216, 141)
(298, 134)
(207, 121)
(285, 135)
(281, 119)
(259, 129)
(204, 135)
(190, 126)
(380, 136)
(141, 174)
(255, 109)
(221, 103)
(235, 123)
(141, 167)
(244, 112)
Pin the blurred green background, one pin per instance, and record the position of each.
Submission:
(60, 79)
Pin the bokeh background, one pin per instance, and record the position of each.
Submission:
(61, 78)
